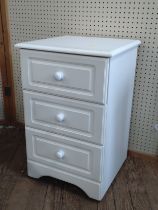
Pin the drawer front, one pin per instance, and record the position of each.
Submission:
(64, 153)
(73, 76)
(72, 118)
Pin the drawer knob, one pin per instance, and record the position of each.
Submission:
(60, 117)
(59, 75)
(60, 154)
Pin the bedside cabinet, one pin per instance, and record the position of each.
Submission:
(77, 102)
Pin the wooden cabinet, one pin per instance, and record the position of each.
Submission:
(77, 100)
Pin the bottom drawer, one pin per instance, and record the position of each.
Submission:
(64, 153)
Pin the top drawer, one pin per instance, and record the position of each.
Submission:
(72, 76)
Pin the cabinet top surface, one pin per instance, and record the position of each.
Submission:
(94, 46)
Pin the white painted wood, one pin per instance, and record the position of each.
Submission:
(120, 92)
(82, 120)
(84, 143)
(83, 78)
(65, 153)
(60, 154)
(94, 46)
(59, 75)
(90, 187)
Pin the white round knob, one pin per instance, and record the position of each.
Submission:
(60, 117)
(60, 154)
(59, 75)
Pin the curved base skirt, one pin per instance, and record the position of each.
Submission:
(93, 189)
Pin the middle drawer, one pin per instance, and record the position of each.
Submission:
(72, 118)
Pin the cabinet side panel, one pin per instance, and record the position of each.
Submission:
(119, 104)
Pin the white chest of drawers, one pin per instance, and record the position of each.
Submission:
(77, 101)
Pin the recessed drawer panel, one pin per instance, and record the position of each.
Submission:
(64, 153)
(73, 76)
(77, 119)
